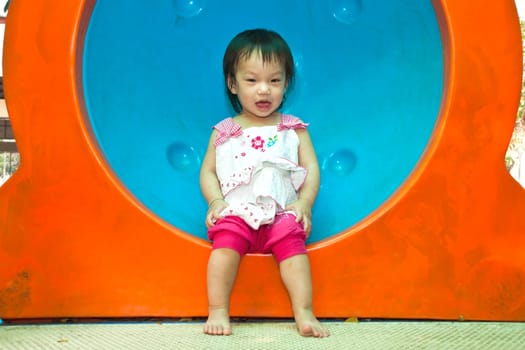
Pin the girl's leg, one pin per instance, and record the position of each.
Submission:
(222, 271)
(295, 273)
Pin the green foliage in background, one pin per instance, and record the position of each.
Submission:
(517, 142)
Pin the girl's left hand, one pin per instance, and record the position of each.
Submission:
(303, 212)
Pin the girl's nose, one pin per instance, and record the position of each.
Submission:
(263, 90)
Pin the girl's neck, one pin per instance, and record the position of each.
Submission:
(248, 120)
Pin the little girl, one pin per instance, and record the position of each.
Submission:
(260, 177)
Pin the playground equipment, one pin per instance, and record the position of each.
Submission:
(417, 215)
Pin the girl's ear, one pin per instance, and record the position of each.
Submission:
(232, 86)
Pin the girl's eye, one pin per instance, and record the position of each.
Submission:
(276, 81)
(250, 80)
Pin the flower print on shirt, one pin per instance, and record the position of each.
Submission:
(242, 154)
(258, 143)
(271, 141)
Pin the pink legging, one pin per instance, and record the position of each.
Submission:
(283, 238)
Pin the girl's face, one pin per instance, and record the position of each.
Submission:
(259, 86)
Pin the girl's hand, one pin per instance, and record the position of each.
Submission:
(303, 213)
(214, 211)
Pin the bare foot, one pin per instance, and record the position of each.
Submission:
(309, 326)
(218, 323)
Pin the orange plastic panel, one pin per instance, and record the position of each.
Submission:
(450, 244)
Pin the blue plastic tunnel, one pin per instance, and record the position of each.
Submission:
(369, 81)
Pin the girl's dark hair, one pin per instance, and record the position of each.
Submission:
(271, 46)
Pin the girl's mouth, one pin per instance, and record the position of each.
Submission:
(263, 104)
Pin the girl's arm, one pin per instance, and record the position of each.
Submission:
(209, 184)
(308, 191)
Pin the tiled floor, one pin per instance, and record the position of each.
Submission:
(255, 335)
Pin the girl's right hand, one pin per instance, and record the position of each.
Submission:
(214, 211)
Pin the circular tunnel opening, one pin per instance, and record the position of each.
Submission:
(369, 81)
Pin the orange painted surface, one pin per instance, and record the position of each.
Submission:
(449, 245)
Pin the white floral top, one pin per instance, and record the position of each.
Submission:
(258, 168)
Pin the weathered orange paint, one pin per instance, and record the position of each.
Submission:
(450, 244)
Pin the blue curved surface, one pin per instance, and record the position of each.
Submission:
(369, 82)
